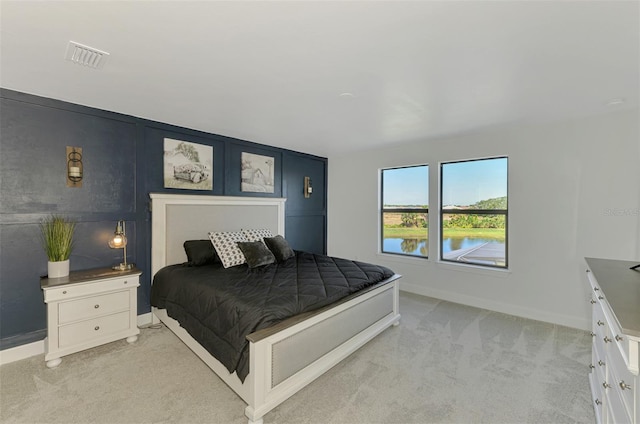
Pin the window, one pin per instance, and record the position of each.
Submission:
(473, 212)
(405, 212)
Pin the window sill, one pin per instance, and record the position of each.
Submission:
(403, 258)
(476, 269)
(459, 267)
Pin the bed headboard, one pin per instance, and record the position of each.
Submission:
(176, 218)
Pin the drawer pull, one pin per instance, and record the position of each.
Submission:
(600, 322)
(596, 289)
(125, 281)
(96, 306)
(606, 385)
(591, 366)
(97, 327)
(593, 334)
(601, 363)
(64, 292)
(598, 402)
(625, 386)
(618, 338)
(600, 297)
(592, 301)
(607, 339)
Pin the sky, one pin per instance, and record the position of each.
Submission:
(464, 183)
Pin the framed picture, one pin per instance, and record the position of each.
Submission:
(257, 173)
(187, 165)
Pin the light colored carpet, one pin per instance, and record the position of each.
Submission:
(445, 363)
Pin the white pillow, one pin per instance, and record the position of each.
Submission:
(226, 245)
(257, 234)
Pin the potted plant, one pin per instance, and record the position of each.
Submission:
(57, 241)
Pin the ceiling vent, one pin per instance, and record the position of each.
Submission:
(85, 55)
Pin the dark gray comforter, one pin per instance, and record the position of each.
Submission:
(220, 307)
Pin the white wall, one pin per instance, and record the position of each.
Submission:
(573, 192)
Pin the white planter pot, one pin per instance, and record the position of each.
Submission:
(58, 269)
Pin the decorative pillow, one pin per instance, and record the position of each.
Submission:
(279, 247)
(256, 253)
(226, 245)
(200, 252)
(257, 234)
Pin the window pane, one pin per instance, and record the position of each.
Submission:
(405, 233)
(404, 215)
(476, 239)
(479, 184)
(405, 187)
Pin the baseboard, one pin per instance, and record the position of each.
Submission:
(144, 319)
(22, 352)
(504, 308)
(37, 348)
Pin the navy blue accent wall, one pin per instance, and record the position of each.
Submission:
(123, 163)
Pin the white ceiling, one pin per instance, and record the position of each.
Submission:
(273, 72)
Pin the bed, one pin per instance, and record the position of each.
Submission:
(286, 356)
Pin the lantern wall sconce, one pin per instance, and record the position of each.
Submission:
(74, 166)
(119, 241)
(307, 187)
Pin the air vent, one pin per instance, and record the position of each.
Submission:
(85, 55)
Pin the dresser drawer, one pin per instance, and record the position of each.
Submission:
(91, 307)
(598, 397)
(85, 331)
(618, 412)
(599, 366)
(622, 380)
(70, 291)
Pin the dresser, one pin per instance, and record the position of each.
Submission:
(614, 370)
(89, 308)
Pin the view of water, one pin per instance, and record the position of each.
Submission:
(419, 247)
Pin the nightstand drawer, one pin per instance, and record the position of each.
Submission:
(71, 291)
(97, 328)
(92, 307)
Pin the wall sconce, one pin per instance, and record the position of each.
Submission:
(307, 187)
(119, 241)
(74, 166)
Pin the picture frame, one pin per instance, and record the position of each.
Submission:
(257, 173)
(187, 165)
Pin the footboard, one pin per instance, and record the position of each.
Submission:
(287, 357)
(285, 360)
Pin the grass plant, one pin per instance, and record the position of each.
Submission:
(57, 237)
(413, 232)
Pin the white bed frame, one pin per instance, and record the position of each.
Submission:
(286, 357)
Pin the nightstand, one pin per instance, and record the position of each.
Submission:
(89, 308)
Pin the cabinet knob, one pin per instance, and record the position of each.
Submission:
(606, 385)
(591, 366)
(64, 292)
(593, 334)
(625, 386)
(125, 281)
(601, 363)
(592, 301)
(596, 288)
(600, 322)
(97, 327)
(598, 402)
(607, 339)
(619, 338)
(600, 297)
(96, 306)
